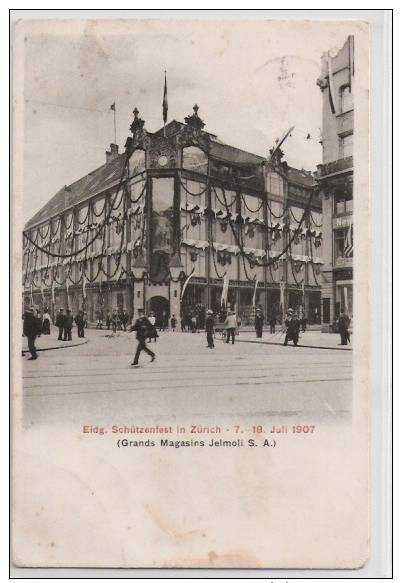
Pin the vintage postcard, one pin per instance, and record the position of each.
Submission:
(190, 330)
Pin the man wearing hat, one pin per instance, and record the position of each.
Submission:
(209, 328)
(292, 324)
(143, 328)
(60, 323)
(68, 325)
(32, 328)
(230, 326)
(259, 322)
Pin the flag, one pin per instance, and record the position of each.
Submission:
(282, 296)
(331, 90)
(84, 291)
(113, 106)
(52, 290)
(32, 300)
(225, 290)
(278, 143)
(255, 291)
(165, 102)
(186, 283)
(348, 244)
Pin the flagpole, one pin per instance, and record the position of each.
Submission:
(114, 121)
(164, 107)
(164, 121)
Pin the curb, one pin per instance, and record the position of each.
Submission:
(26, 351)
(298, 346)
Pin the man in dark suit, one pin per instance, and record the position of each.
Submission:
(60, 323)
(32, 328)
(68, 324)
(343, 327)
(79, 320)
(209, 328)
(142, 327)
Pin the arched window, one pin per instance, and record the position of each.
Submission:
(195, 159)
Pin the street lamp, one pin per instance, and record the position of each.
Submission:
(139, 268)
(175, 268)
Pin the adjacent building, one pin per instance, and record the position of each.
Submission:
(335, 180)
(177, 223)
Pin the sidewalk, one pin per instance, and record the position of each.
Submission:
(308, 339)
(50, 342)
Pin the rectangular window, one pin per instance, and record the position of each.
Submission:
(346, 99)
(339, 243)
(346, 146)
(343, 202)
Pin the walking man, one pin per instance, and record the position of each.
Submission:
(79, 320)
(32, 328)
(60, 323)
(258, 323)
(68, 325)
(142, 327)
(230, 326)
(209, 328)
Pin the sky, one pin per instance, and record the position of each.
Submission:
(252, 81)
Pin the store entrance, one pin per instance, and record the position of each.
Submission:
(161, 310)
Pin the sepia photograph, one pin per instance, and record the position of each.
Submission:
(190, 356)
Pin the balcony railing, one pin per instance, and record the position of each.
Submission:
(341, 165)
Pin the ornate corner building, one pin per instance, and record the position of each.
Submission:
(171, 221)
(335, 180)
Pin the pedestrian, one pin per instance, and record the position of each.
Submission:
(193, 324)
(114, 321)
(31, 329)
(79, 320)
(173, 322)
(230, 326)
(183, 321)
(125, 319)
(272, 322)
(343, 327)
(258, 323)
(46, 322)
(99, 320)
(292, 324)
(67, 325)
(209, 329)
(60, 323)
(142, 328)
(153, 333)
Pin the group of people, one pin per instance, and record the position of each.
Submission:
(65, 321)
(116, 320)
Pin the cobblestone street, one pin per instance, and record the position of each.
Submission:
(94, 383)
